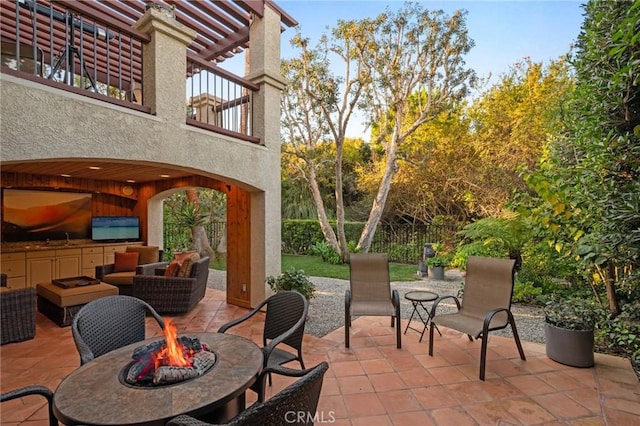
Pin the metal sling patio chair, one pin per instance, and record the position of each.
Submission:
(294, 405)
(485, 306)
(370, 292)
(109, 323)
(284, 324)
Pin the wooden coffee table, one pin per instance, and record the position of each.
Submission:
(62, 304)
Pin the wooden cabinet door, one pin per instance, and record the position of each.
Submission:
(69, 263)
(91, 257)
(14, 265)
(40, 270)
(109, 253)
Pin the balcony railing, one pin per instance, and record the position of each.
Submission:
(67, 47)
(219, 100)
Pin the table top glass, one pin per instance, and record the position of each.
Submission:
(420, 296)
(94, 394)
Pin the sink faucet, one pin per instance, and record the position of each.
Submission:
(67, 235)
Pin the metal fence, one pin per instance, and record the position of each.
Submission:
(403, 243)
(178, 237)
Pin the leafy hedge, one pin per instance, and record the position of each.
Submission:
(300, 236)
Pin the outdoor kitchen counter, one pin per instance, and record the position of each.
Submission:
(57, 245)
(95, 394)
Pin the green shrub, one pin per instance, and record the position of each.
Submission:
(402, 251)
(353, 246)
(526, 292)
(476, 248)
(622, 333)
(576, 313)
(293, 279)
(298, 236)
(437, 260)
(327, 253)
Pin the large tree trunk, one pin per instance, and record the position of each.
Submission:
(369, 230)
(343, 248)
(198, 232)
(325, 226)
(610, 285)
(222, 244)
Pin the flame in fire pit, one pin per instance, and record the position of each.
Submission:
(174, 353)
(168, 361)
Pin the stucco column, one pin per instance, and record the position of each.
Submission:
(264, 71)
(164, 61)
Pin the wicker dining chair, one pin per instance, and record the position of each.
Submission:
(485, 306)
(283, 324)
(17, 314)
(294, 405)
(370, 292)
(33, 390)
(109, 323)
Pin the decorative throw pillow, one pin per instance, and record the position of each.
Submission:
(147, 254)
(125, 262)
(187, 265)
(180, 256)
(172, 270)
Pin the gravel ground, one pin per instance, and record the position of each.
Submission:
(326, 310)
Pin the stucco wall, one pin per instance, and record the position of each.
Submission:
(39, 122)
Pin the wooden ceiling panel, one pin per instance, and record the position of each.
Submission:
(120, 172)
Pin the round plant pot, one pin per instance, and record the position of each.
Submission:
(436, 273)
(569, 347)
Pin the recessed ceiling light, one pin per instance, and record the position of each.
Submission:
(164, 176)
(131, 181)
(65, 175)
(95, 167)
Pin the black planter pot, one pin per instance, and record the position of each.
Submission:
(436, 272)
(569, 347)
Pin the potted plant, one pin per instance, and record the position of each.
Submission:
(436, 266)
(293, 279)
(569, 330)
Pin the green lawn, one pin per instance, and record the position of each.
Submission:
(313, 266)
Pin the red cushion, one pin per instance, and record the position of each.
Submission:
(180, 256)
(187, 265)
(172, 269)
(125, 262)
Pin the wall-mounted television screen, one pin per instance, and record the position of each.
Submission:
(115, 228)
(32, 215)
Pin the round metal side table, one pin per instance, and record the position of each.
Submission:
(420, 311)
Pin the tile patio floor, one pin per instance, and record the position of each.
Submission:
(373, 383)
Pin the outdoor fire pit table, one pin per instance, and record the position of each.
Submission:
(97, 394)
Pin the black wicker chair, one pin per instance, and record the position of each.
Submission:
(173, 294)
(17, 314)
(109, 323)
(294, 405)
(33, 390)
(284, 323)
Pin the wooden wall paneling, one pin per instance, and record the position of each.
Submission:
(34, 181)
(238, 247)
(110, 205)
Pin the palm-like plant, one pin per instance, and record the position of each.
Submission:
(506, 234)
